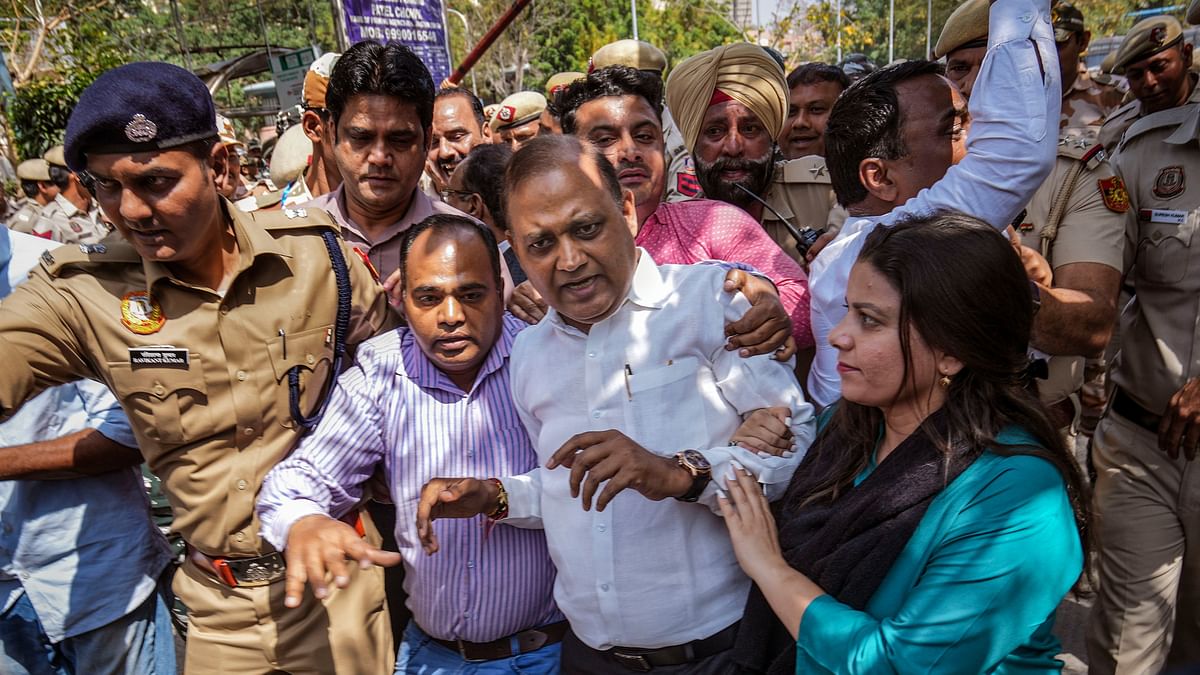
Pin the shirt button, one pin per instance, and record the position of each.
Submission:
(596, 414)
(240, 536)
(310, 359)
(159, 390)
(241, 484)
(604, 587)
(471, 564)
(1156, 235)
(591, 355)
(602, 527)
(224, 310)
(249, 431)
(1027, 17)
(241, 376)
(24, 575)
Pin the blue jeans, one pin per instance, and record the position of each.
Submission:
(420, 655)
(139, 643)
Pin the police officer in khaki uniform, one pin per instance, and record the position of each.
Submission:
(741, 90)
(681, 172)
(1083, 103)
(1147, 495)
(39, 190)
(1156, 63)
(218, 331)
(1076, 221)
(517, 119)
(72, 217)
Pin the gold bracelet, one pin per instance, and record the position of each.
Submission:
(501, 510)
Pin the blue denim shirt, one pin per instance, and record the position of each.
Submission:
(84, 550)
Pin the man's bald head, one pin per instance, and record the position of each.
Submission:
(544, 154)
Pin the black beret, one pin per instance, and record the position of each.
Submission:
(139, 107)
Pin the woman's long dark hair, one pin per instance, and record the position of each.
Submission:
(963, 289)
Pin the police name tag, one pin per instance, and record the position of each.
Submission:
(164, 356)
(1163, 216)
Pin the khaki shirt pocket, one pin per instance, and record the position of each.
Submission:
(167, 406)
(312, 352)
(1163, 251)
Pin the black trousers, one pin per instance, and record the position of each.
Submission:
(580, 659)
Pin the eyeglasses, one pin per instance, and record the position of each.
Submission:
(462, 194)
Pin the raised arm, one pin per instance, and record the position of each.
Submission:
(1014, 122)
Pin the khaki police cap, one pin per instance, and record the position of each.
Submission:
(226, 134)
(291, 155)
(561, 80)
(632, 53)
(1147, 38)
(56, 156)
(34, 169)
(316, 80)
(520, 108)
(489, 112)
(966, 27)
(1067, 20)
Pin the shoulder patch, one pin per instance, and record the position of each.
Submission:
(294, 219)
(1112, 191)
(810, 169)
(114, 249)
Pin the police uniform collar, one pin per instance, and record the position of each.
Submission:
(69, 209)
(252, 241)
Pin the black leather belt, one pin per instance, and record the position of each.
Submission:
(1124, 405)
(645, 660)
(526, 641)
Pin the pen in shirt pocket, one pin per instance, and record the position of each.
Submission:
(628, 387)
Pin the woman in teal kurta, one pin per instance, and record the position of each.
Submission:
(937, 521)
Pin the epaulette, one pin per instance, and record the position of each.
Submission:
(1090, 153)
(810, 169)
(1169, 118)
(268, 199)
(1131, 107)
(298, 218)
(113, 249)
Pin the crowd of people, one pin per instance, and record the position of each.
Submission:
(702, 369)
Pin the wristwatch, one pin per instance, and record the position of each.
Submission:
(697, 465)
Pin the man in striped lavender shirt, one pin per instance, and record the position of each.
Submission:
(428, 400)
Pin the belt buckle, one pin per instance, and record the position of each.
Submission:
(258, 571)
(635, 662)
(462, 652)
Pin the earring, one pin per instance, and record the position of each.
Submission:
(945, 381)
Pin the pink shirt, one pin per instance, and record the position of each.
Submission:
(687, 232)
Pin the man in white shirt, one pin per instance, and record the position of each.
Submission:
(626, 387)
(895, 148)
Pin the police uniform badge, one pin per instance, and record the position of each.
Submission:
(1158, 35)
(1112, 191)
(141, 313)
(1169, 183)
(506, 113)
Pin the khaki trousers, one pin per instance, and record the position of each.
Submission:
(248, 631)
(1147, 512)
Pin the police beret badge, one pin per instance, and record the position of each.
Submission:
(141, 313)
(1112, 191)
(506, 113)
(140, 129)
(1158, 35)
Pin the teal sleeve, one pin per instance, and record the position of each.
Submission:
(994, 574)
